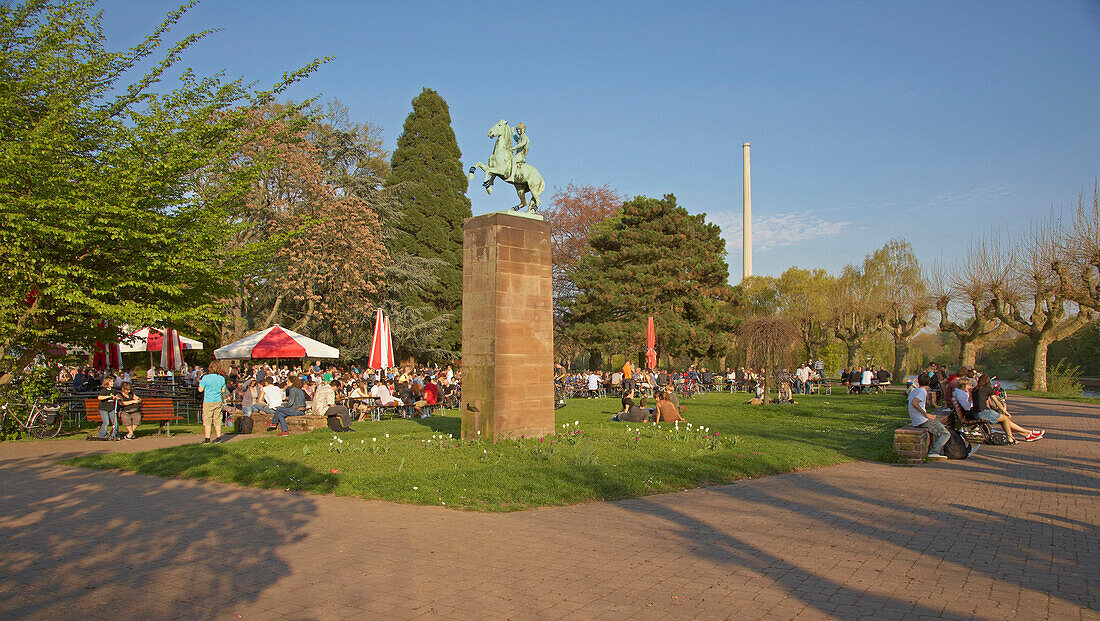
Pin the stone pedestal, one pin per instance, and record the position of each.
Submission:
(507, 327)
(911, 444)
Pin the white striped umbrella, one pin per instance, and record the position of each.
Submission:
(276, 342)
(381, 351)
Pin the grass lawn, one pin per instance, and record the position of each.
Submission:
(595, 459)
(1048, 395)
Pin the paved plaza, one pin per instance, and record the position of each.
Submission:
(1010, 534)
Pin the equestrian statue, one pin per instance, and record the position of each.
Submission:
(509, 162)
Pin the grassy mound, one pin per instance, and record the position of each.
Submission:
(589, 458)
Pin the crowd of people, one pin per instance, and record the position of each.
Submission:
(968, 393)
(332, 391)
(630, 380)
(863, 380)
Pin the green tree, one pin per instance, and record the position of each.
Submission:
(803, 298)
(426, 172)
(654, 259)
(857, 313)
(759, 296)
(102, 214)
(894, 272)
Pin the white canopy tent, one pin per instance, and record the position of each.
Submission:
(275, 342)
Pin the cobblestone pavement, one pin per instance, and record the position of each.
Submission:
(1010, 534)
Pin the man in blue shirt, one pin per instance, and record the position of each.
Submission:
(211, 387)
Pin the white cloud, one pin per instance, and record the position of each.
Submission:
(777, 231)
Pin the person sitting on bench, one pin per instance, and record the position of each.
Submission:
(918, 414)
(997, 414)
(324, 404)
(295, 405)
(129, 405)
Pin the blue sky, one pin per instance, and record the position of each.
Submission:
(933, 121)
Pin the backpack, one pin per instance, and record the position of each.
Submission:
(997, 438)
(957, 447)
(335, 424)
(244, 424)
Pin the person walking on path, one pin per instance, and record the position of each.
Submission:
(211, 386)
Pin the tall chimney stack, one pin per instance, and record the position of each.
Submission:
(747, 202)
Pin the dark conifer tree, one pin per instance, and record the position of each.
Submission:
(426, 172)
(654, 259)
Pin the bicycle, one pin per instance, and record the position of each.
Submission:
(43, 421)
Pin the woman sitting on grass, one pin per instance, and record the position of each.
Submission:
(666, 411)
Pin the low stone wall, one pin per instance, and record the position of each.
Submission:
(911, 444)
(261, 421)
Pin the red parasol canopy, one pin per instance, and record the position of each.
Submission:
(650, 342)
(276, 342)
(107, 355)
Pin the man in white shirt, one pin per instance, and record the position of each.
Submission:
(865, 382)
(593, 385)
(918, 414)
(272, 396)
(802, 380)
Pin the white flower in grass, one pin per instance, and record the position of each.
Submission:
(415, 487)
(374, 439)
(340, 440)
(576, 422)
(485, 451)
(387, 435)
(362, 441)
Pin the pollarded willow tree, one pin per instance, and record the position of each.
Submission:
(963, 294)
(654, 260)
(1028, 297)
(1078, 260)
(102, 217)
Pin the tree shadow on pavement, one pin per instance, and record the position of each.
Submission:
(82, 543)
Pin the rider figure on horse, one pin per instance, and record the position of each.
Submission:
(519, 151)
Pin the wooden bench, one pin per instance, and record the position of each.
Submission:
(156, 409)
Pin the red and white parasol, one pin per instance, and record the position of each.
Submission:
(151, 339)
(107, 355)
(171, 350)
(381, 350)
(276, 342)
